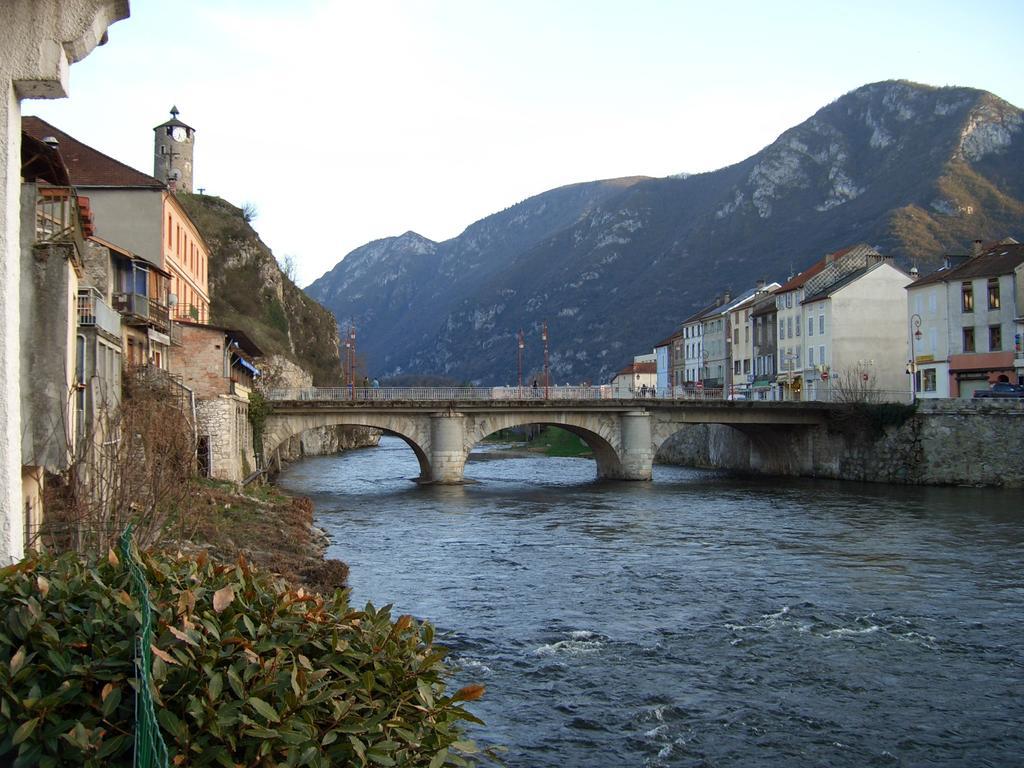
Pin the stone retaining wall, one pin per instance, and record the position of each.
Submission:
(946, 442)
(325, 441)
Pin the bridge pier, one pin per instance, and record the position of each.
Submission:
(637, 453)
(447, 448)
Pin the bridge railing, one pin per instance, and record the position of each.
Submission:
(369, 394)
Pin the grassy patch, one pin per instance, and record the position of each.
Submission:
(554, 441)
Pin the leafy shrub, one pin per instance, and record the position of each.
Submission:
(246, 671)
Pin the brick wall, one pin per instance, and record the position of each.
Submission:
(200, 361)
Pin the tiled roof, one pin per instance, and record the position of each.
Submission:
(796, 282)
(1001, 259)
(86, 166)
(638, 368)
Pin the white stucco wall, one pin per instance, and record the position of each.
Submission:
(868, 319)
(39, 39)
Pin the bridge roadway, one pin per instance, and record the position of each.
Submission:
(442, 425)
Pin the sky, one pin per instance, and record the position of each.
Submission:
(344, 122)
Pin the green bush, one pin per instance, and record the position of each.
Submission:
(246, 671)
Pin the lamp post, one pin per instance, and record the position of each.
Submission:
(522, 346)
(915, 334)
(544, 338)
(352, 360)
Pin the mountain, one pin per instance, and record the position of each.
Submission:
(613, 266)
(249, 291)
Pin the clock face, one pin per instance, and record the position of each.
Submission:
(178, 134)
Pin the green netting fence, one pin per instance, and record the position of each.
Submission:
(150, 749)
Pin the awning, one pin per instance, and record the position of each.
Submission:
(762, 382)
(247, 365)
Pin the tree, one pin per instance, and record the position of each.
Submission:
(288, 266)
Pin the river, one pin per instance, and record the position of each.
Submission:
(701, 619)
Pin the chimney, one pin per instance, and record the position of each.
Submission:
(976, 248)
(726, 297)
(759, 285)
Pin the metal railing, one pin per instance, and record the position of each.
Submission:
(444, 394)
(519, 394)
(141, 306)
(94, 311)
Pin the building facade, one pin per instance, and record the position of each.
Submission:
(965, 320)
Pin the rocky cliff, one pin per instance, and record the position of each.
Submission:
(248, 291)
(614, 266)
(299, 338)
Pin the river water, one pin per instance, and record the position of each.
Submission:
(700, 619)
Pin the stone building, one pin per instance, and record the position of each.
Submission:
(172, 153)
(219, 370)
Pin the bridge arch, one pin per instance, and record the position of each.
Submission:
(780, 448)
(601, 435)
(281, 427)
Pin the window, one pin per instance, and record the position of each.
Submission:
(966, 297)
(993, 293)
(928, 380)
(810, 356)
(735, 335)
(797, 323)
(995, 338)
(821, 354)
(821, 324)
(746, 365)
(789, 327)
(736, 367)
(968, 339)
(789, 300)
(810, 326)
(782, 331)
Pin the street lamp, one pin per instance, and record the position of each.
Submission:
(915, 334)
(522, 346)
(544, 338)
(352, 360)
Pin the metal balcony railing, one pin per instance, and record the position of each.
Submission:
(94, 311)
(141, 306)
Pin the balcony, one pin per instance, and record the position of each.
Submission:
(61, 217)
(95, 312)
(138, 307)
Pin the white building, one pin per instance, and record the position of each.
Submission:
(855, 334)
(966, 321)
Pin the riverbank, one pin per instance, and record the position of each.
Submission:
(266, 526)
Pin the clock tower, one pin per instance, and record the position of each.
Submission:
(172, 153)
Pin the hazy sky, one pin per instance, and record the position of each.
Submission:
(344, 122)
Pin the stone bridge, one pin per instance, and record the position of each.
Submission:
(624, 434)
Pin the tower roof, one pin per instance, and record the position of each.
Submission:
(174, 122)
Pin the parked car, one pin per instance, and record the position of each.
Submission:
(1001, 389)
